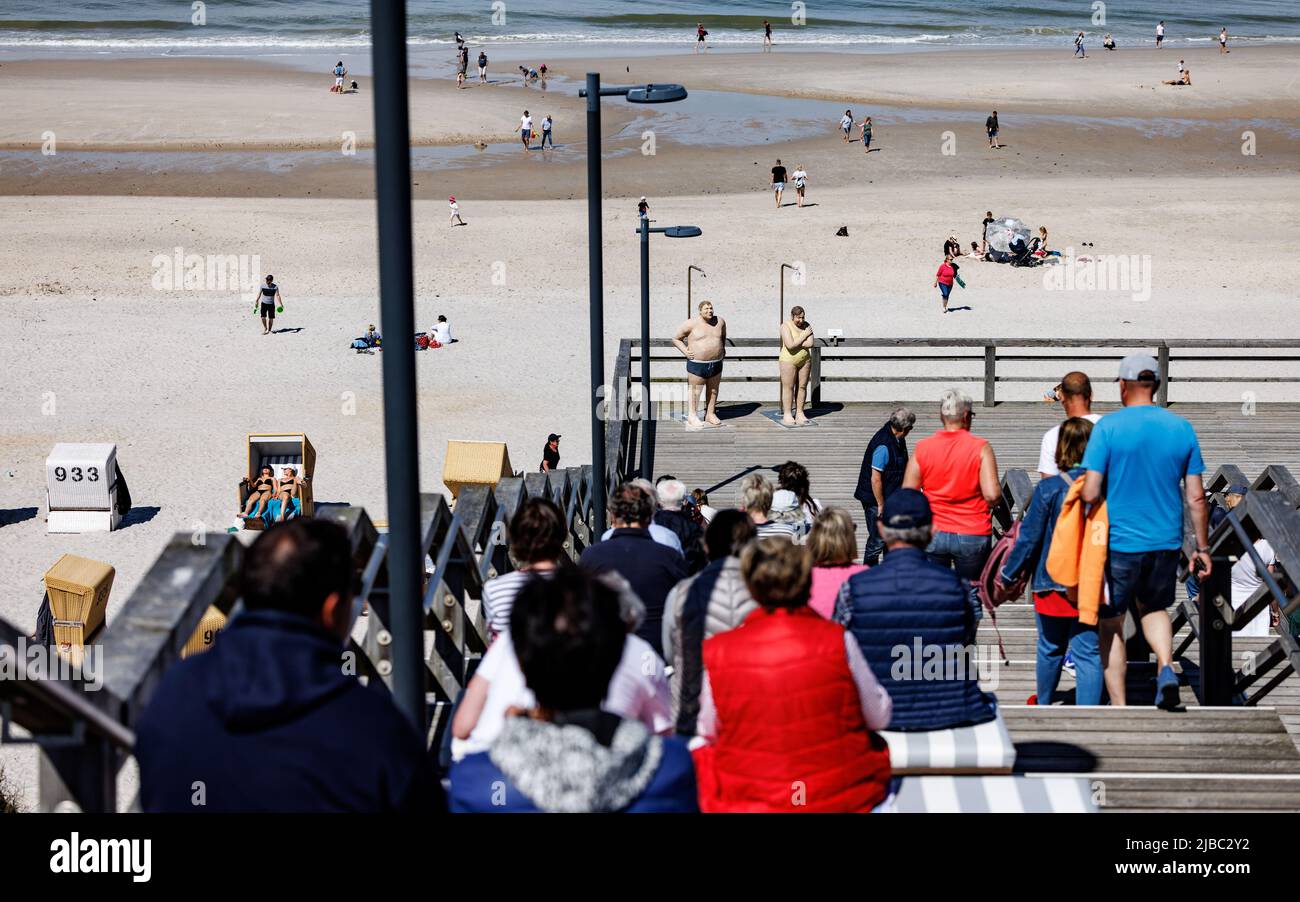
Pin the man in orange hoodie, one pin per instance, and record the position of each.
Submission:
(1136, 459)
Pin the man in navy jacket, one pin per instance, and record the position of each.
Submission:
(651, 569)
(270, 719)
(910, 615)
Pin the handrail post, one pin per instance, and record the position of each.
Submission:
(1162, 397)
(990, 375)
(815, 377)
(1215, 639)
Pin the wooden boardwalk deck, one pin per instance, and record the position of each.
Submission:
(1139, 758)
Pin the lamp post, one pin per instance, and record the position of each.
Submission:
(397, 312)
(780, 315)
(647, 462)
(595, 262)
(703, 275)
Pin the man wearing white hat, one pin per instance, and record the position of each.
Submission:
(1136, 459)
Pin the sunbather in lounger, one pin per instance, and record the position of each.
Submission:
(289, 488)
(260, 493)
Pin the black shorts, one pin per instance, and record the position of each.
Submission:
(268, 311)
(1145, 580)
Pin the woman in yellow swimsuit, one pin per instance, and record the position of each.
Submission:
(260, 492)
(796, 360)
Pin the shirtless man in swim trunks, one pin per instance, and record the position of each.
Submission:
(703, 341)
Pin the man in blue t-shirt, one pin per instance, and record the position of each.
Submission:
(1136, 459)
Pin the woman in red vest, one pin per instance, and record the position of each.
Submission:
(788, 703)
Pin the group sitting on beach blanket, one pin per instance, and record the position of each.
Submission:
(273, 499)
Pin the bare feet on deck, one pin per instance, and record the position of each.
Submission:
(712, 420)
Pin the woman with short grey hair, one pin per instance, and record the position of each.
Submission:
(755, 498)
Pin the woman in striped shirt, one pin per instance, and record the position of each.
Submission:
(537, 532)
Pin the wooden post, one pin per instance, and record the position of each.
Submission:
(1215, 639)
(815, 377)
(990, 375)
(1162, 397)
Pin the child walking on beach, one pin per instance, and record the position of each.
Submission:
(866, 135)
(991, 126)
(454, 219)
(846, 124)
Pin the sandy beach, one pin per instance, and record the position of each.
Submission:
(1107, 160)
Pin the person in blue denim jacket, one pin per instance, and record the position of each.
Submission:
(1058, 619)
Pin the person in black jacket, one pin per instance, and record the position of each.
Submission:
(651, 569)
(881, 475)
(270, 718)
(671, 494)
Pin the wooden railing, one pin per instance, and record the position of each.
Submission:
(85, 736)
(829, 353)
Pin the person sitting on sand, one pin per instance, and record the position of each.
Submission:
(703, 341)
(441, 333)
(287, 489)
(260, 492)
(796, 366)
(952, 247)
(975, 251)
(1184, 79)
(1108, 42)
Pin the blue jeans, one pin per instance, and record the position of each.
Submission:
(546, 136)
(965, 554)
(875, 544)
(1055, 634)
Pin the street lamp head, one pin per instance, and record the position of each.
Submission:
(656, 94)
(683, 232)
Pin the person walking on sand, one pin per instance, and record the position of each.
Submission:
(703, 341)
(991, 126)
(482, 67)
(800, 183)
(270, 300)
(1160, 34)
(1223, 40)
(547, 138)
(642, 209)
(700, 35)
(1079, 51)
(866, 135)
(846, 125)
(943, 279)
(767, 36)
(454, 218)
(778, 182)
(796, 365)
(462, 66)
(526, 130)
(339, 74)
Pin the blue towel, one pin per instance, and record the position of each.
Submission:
(273, 511)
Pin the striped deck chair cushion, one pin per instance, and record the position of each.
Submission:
(985, 748)
(990, 795)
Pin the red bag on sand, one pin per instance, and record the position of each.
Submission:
(422, 342)
(435, 343)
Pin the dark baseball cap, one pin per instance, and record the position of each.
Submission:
(1237, 488)
(553, 437)
(906, 509)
